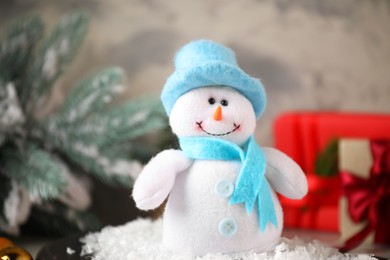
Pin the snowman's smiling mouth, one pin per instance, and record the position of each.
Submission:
(236, 127)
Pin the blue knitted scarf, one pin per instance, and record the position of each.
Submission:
(251, 183)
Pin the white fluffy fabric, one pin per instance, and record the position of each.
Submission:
(285, 175)
(157, 178)
(142, 239)
(194, 107)
(198, 217)
(194, 210)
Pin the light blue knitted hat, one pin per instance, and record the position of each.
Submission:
(206, 63)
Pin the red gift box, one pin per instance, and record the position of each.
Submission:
(302, 136)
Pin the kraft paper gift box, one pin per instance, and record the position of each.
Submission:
(365, 204)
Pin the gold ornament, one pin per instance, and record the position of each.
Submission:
(9, 251)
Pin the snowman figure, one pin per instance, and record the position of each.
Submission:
(221, 184)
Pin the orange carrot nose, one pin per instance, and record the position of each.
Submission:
(218, 114)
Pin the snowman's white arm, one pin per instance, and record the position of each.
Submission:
(285, 175)
(156, 180)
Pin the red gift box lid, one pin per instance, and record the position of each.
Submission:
(302, 135)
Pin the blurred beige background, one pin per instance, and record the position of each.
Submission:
(311, 55)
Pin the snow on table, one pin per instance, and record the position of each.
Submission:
(141, 239)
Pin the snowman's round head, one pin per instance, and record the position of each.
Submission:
(214, 111)
(208, 94)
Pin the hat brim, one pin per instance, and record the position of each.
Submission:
(213, 73)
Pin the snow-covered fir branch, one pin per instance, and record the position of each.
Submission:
(44, 161)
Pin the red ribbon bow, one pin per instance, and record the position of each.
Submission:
(369, 199)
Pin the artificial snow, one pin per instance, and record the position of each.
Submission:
(10, 111)
(107, 99)
(64, 46)
(117, 89)
(110, 166)
(84, 107)
(11, 204)
(141, 239)
(138, 117)
(50, 65)
(70, 251)
(87, 150)
(16, 209)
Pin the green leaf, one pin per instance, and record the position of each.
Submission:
(11, 115)
(34, 169)
(90, 95)
(57, 51)
(16, 46)
(326, 164)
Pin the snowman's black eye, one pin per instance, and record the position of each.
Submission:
(211, 101)
(224, 102)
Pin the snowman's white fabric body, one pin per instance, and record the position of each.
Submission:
(198, 216)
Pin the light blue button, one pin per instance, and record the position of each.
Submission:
(224, 188)
(227, 227)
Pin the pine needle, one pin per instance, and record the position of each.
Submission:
(90, 95)
(34, 169)
(57, 51)
(121, 123)
(88, 132)
(16, 46)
